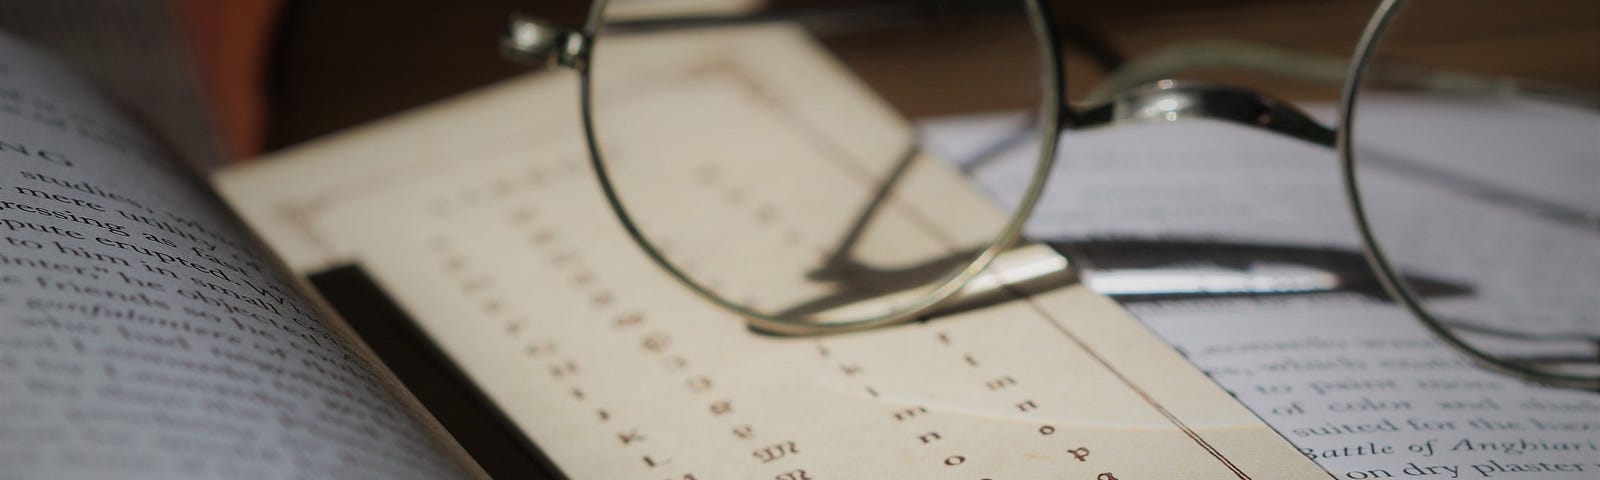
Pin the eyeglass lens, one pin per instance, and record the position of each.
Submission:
(1479, 165)
(778, 165)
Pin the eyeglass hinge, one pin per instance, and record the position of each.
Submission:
(532, 41)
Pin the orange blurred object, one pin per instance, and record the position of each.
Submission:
(231, 42)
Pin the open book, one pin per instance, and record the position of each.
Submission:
(1291, 320)
(145, 333)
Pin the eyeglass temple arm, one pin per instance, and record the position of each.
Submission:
(865, 15)
(537, 41)
(1091, 42)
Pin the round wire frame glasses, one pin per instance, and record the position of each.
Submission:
(998, 267)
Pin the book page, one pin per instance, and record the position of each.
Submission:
(135, 52)
(483, 220)
(1362, 388)
(144, 333)
(1352, 380)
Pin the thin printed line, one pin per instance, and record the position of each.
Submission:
(1142, 394)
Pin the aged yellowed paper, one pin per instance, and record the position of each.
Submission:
(481, 218)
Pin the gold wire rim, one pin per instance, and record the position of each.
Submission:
(1051, 117)
(1393, 283)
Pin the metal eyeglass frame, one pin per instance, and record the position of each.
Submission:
(532, 41)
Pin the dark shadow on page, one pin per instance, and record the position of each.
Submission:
(863, 282)
(853, 280)
(1347, 265)
(465, 411)
(1169, 256)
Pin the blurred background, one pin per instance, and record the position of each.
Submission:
(275, 73)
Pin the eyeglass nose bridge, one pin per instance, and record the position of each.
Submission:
(1171, 101)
